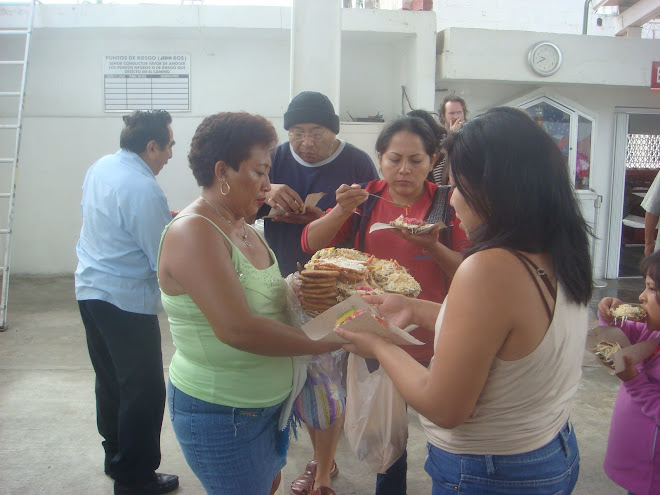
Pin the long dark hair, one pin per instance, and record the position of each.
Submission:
(513, 175)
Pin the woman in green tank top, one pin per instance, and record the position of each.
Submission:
(226, 304)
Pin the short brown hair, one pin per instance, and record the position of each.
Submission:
(227, 137)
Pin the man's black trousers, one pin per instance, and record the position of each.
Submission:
(125, 350)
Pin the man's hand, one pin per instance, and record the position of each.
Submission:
(283, 197)
(311, 214)
(456, 126)
(648, 248)
(650, 224)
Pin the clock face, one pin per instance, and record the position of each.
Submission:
(545, 58)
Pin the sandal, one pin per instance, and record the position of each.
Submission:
(304, 483)
(311, 468)
(323, 490)
(335, 470)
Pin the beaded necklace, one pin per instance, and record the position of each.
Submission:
(243, 236)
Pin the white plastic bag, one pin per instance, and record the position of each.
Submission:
(376, 423)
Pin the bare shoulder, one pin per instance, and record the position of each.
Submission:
(192, 250)
(496, 277)
(486, 291)
(191, 223)
(489, 265)
(194, 234)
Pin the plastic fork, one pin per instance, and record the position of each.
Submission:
(399, 205)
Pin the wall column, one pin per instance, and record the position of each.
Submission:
(316, 48)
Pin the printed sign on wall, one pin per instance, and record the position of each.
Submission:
(655, 76)
(146, 82)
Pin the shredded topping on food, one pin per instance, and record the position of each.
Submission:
(412, 225)
(333, 252)
(629, 312)
(407, 222)
(605, 351)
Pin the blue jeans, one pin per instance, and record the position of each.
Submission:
(232, 451)
(549, 470)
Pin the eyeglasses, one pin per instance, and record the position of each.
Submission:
(315, 136)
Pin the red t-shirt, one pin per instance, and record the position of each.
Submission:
(386, 245)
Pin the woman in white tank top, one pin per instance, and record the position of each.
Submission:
(496, 400)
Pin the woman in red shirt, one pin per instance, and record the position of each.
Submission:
(406, 152)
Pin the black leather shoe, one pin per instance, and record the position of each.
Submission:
(160, 483)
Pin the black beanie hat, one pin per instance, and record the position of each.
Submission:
(310, 107)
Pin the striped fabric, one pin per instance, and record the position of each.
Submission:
(436, 174)
(322, 399)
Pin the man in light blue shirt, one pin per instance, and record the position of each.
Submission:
(124, 212)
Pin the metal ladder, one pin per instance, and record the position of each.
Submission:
(8, 197)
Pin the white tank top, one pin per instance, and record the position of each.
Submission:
(526, 402)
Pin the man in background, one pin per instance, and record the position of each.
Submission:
(312, 160)
(124, 212)
(453, 112)
(651, 203)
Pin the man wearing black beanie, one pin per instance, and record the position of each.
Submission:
(312, 160)
(311, 107)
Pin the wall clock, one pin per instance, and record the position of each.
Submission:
(545, 58)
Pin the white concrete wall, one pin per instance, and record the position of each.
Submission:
(556, 16)
(66, 129)
(477, 54)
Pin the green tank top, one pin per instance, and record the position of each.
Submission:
(206, 368)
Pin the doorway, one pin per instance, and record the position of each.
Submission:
(636, 164)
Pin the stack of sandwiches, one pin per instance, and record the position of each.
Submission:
(335, 274)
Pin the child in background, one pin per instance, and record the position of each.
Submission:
(632, 459)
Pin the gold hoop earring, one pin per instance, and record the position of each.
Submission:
(224, 183)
